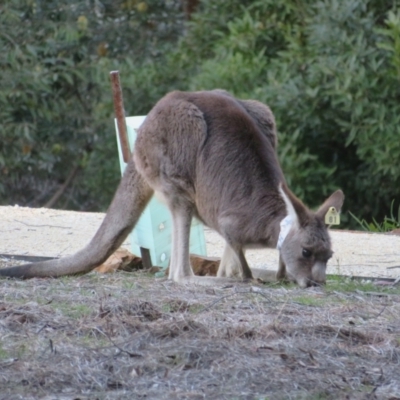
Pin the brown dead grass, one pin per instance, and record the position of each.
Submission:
(131, 336)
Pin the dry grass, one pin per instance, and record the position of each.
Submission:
(131, 336)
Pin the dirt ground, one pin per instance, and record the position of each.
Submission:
(132, 336)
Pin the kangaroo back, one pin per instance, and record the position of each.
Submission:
(206, 149)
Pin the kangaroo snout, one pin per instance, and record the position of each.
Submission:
(315, 276)
(309, 282)
(318, 274)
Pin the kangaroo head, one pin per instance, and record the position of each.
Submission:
(306, 248)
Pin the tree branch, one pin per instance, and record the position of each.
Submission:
(71, 176)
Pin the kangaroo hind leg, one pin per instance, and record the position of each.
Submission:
(180, 269)
(234, 263)
(180, 264)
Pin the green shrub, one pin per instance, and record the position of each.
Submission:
(329, 69)
(330, 72)
(56, 112)
(389, 223)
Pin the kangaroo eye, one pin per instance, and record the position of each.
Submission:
(306, 253)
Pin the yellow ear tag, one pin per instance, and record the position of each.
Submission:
(332, 217)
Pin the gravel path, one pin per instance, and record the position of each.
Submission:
(55, 233)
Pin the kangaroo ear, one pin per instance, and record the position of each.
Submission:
(336, 200)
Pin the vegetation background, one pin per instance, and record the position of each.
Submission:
(329, 69)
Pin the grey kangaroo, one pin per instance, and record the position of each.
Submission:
(213, 157)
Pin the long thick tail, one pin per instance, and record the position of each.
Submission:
(129, 201)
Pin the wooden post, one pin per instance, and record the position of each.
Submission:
(123, 140)
(120, 115)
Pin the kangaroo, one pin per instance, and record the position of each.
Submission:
(213, 157)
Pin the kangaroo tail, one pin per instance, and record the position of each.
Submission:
(129, 201)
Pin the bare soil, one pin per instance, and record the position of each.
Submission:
(132, 336)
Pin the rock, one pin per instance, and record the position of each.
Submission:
(202, 265)
(121, 259)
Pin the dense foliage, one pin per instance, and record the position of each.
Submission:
(56, 114)
(329, 69)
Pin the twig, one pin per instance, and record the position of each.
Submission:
(121, 349)
(252, 291)
(41, 226)
(71, 176)
(378, 294)
(217, 301)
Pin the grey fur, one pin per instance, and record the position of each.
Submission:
(211, 156)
